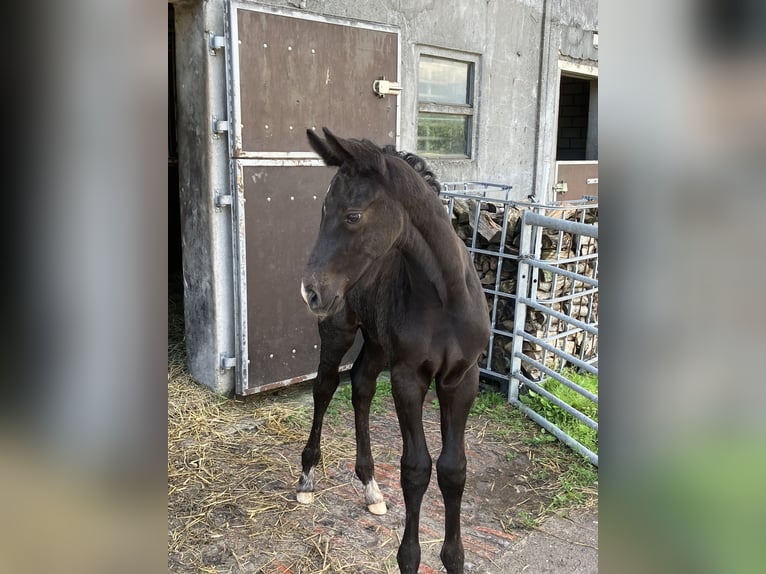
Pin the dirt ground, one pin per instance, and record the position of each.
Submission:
(530, 504)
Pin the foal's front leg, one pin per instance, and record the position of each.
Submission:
(364, 376)
(335, 341)
(409, 389)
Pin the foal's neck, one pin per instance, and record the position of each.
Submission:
(431, 241)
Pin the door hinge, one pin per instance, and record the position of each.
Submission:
(219, 127)
(215, 42)
(561, 187)
(222, 200)
(228, 362)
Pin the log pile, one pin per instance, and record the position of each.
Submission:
(498, 269)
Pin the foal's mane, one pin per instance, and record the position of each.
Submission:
(418, 164)
(411, 182)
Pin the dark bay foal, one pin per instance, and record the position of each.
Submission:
(387, 262)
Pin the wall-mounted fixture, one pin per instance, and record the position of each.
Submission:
(383, 88)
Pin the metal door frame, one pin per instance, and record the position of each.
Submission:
(549, 116)
(238, 159)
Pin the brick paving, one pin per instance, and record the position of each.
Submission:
(495, 487)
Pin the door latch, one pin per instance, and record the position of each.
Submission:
(561, 187)
(219, 127)
(216, 43)
(383, 88)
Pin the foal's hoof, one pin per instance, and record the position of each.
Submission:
(379, 508)
(305, 497)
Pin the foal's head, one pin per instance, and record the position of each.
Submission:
(361, 221)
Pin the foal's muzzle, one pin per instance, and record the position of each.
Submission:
(311, 297)
(318, 303)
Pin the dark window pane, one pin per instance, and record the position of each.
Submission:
(442, 134)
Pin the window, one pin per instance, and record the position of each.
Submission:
(445, 106)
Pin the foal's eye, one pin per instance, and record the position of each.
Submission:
(353, 218)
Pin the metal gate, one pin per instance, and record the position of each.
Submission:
(288, 71)
(572, 302)
(538, 265)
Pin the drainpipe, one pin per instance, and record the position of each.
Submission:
(537, 175)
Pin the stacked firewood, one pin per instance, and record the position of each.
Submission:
(498, 269)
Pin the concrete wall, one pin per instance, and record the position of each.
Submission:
(515, 69)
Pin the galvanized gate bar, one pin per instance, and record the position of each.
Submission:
(523, 335)
(538, 220)
(571, 296)
(557, 432)
(572, 385)
(558, 402)
(566, 273)
(576, 322)
(520, 313)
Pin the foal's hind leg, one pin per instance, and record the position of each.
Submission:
(456, 394)
(336, 340)
(364, 376)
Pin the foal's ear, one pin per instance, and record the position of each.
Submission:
(320, 146)
(361, 155)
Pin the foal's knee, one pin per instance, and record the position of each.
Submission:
(451, 473)
(416, 473)
(361, 394)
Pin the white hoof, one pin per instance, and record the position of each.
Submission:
(305, 497)
(379, 508)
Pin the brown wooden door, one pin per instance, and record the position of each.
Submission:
(577, 178)
(288, 72)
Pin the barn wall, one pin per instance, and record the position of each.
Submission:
(517, 70)
(575, 21)
(519, 44)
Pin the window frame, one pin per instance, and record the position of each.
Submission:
(469, 111)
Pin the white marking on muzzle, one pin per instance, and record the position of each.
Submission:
(304, 294)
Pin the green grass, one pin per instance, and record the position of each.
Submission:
(585, 435)
(528, 520)
(341, 401)
(492, 405)
(570, 478)
(574, 485)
